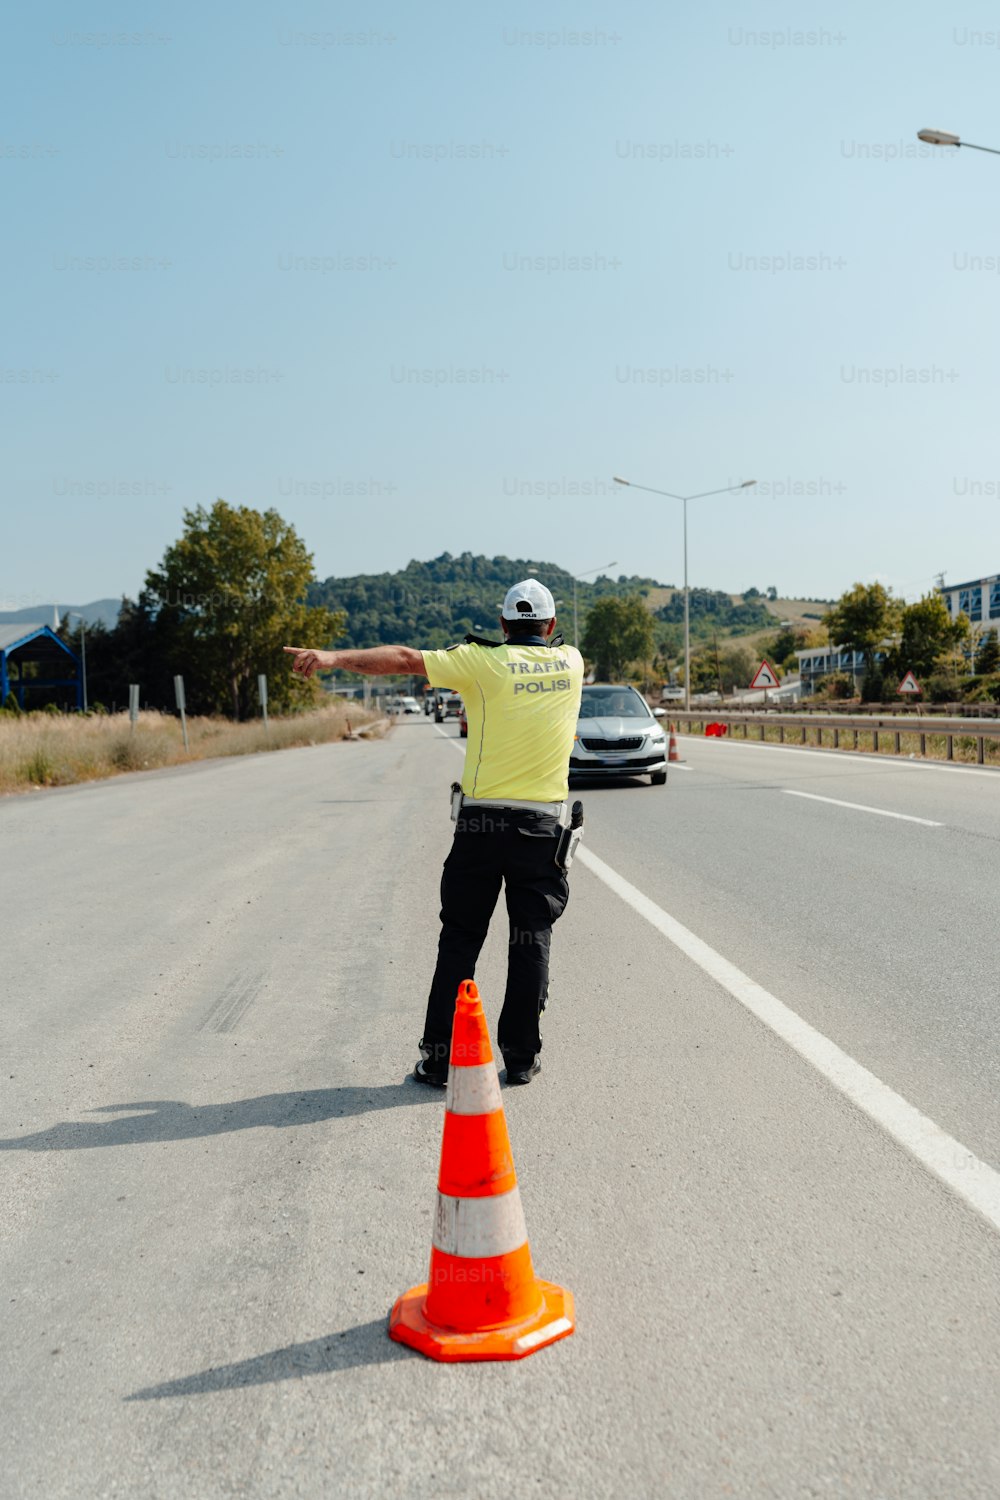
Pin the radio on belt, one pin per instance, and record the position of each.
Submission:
(570, 837)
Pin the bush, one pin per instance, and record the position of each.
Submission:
(837, 686)
(872, 687)
(10, 703)
(941, 687)
(126, 755)
(39, 769)
(981, 689)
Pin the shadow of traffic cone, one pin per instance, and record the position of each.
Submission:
(483, 1299)
(673, 758)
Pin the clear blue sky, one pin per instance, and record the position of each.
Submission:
(677, 150)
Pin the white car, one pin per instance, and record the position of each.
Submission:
(618, 734)
(449, 706)
(409, 705)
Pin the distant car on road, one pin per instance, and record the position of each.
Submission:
(402, 705)
(463, 724)
(618, 734)
(449, 706)
(672, 694)
(410, 705)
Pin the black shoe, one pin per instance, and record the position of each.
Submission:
(523, 1072)
(423, 1074)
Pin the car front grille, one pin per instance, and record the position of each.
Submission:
(633, 742)
(615, 768)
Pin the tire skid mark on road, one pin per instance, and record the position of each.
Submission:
(972, 1180)
(234, 1002)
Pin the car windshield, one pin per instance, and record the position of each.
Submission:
(619, 703)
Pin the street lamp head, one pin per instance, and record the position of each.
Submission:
(938, 137)
(747, 484)
(620, 481)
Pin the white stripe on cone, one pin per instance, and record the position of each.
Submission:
(477, 1227)
(473, 1090)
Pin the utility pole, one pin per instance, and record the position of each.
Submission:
(83, 650)
(586, 573)
(728, 489)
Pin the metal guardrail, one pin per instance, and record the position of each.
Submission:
(840, 725)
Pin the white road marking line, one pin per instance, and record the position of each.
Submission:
(901, 762)
(972, 1180)
(954, 1164)
(861, 807)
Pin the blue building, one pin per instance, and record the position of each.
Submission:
(980, 600)
(35, 664)
(816, 662)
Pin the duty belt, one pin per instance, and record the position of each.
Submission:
(515, 804)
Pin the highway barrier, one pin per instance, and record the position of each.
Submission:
(924, 735)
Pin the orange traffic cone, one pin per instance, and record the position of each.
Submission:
(672, 756)
(483, 1300)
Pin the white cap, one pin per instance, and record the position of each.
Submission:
(529, 600)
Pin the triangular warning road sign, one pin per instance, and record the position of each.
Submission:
(909, 684)
(765, 676)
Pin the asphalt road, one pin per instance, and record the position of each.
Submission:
(215, 1179)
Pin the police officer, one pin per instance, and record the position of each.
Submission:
(522, 701)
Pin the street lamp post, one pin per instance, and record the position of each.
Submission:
(945, 138)
(586, 572)
(83, 650)
(729, 489)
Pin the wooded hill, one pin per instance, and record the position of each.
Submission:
(436, 603)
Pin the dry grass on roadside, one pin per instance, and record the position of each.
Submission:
(44, 749)
(963, 745)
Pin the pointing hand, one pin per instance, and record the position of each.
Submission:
(307, 661)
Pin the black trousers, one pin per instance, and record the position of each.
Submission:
(493, 847)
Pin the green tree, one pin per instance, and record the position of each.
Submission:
(704, 676)
(737, 667)
(988, 655)
(226, 598)
(863, 619)
(617, 632)
(782, 647)
(927, 633)
(711, 610)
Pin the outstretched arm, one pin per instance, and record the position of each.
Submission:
(376, 661)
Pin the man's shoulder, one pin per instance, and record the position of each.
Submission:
(478, 640)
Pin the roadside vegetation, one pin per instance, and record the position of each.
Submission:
(239, 584)
(955, 661)
(217, 610)
(53, 749)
